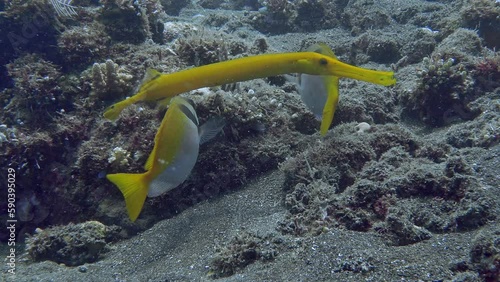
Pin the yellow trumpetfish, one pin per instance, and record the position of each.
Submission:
(172, 159)
(160, 86)
(320, 93)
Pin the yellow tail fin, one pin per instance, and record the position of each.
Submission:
(134, 189)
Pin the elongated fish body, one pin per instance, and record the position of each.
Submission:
(160, 86)
(173, 157)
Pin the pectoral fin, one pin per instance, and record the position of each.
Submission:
(211, 128)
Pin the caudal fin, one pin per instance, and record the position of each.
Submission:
(114, 110)
(134, 190)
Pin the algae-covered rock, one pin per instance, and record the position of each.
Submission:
(73, 244)
(36, 97)
(444, 90)
(387, 180)
(244, 249)
(484, 16)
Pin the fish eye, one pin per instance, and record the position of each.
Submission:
(323, 62)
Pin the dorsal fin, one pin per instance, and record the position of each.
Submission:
(187, 108)
(149, 162)
(150, 75)
(322, 48)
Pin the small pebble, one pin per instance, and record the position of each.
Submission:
(363, 127)
(82, 268)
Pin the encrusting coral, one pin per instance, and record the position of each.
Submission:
(37, 96)
(109, 81)
(445, 90)
(446, 81)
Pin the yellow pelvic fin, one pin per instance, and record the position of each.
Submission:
(148, 80)
(134, 190)
(332, 86)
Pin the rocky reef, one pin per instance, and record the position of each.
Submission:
(407, 163)
(398, 171)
